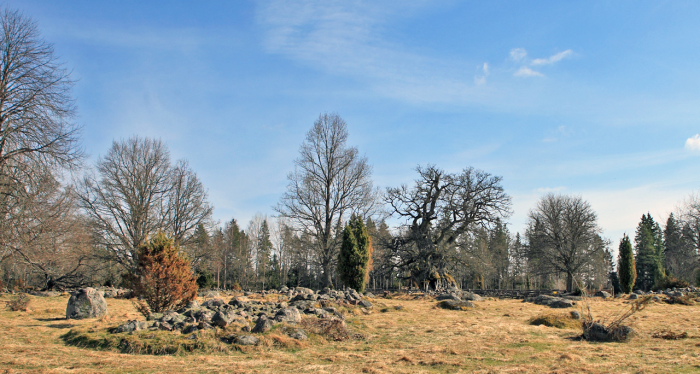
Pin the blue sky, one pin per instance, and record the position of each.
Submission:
(599, 99)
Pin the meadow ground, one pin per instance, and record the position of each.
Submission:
(494, 337)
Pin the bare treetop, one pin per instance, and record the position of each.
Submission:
(330, 182)
(36, 109)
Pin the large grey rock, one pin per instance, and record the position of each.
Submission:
(289, 315)
(86, 303)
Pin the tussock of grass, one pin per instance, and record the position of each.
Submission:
(560, 321)
(333, 329)
(20, 303)
(670, 335)
(146, 342)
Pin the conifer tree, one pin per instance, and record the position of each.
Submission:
(680, 255)
(163, 279)
(355, 257)
(649, 245)
(626, 267)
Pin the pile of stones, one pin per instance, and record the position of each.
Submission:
(551, 301)
(255, 316)
(457, 300)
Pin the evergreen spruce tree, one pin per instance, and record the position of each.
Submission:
(264, 252)
(355, 257)
(649, 245)
(680, 255)
(626, 267)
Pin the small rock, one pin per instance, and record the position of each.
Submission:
(190, 329)
(603, 294)
(456, 305)
(298, 334)
(246, 340)
(213, 304)
(263, 325)
(223, 318)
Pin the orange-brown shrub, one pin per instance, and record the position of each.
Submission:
(163, 279)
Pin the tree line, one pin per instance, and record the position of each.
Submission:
(331, 226)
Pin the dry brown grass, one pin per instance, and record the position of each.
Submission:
(420, 338)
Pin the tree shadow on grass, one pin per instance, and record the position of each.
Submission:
(57, 325)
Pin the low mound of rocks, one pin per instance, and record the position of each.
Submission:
(551, 301)
(241, 312)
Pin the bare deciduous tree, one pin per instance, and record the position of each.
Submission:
(440, 208)
(564, 235)
(136, 193)
(330, 182)
(37, 136)
(188, 204)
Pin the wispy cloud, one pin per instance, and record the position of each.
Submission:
(346, 38)
(483, 72)
(527, 72)
(519, 55)
(561, 132)
(693, 143)
(552, 59)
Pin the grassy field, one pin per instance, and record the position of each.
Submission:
(494, 337)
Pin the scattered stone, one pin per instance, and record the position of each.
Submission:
(263, 325)
(131, 326)
(575, 314)
(456, 305)
(470, 296)
(298, 334)
(597, 332)
(603, 294)
(448, 296)
(223, 318)
(552, 301)
(246, 340)
(213, 304)
(634, 296)
(86, 303)
(289, 315)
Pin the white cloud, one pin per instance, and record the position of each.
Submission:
(527, 72)
(552, 59)
(518, 54)
(693, 143)
(482, 73)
